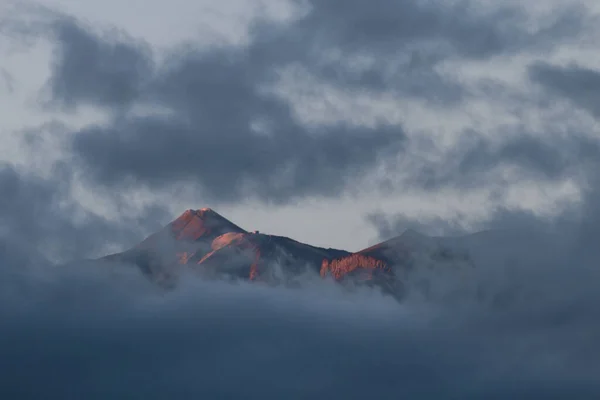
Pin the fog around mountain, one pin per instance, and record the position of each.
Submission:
(521, 324)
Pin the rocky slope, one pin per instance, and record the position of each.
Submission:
(207, 243)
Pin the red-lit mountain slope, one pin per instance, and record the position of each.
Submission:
(392, 263)
(206, 242)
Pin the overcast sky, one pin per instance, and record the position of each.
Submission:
(335, 122)
(300, 118)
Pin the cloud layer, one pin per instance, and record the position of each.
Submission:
(210, 118)
(219, 129)
(96, 333)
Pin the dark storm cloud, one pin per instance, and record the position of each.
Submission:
(291, 164)
(578, 84)
(87, 337)
(211, 101)
(105, 69)
(208, 102)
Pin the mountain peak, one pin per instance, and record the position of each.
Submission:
(199, 212)
(194, 224)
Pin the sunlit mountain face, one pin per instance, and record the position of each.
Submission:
(205, 242)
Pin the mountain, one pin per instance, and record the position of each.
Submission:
(391, 264)
(207, 243)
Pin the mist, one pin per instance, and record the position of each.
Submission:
(90, 331)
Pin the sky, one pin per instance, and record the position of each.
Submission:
(338, 123)
(299, 118)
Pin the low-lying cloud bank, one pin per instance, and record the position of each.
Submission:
(81, 331)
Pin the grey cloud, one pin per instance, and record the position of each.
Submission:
(576, 83)
(461, 28)
(539, 158)
(212, 100)
(472, 165)
(232, 163)
(407, 39)
(530, 152)
(8, 80)
(87, 337)
(86, 331)
(107, 69)
(573, 229)
(476, 160)
(83, 332)
(389, 226)
(208, 100)
(38, 215)
(502, 218)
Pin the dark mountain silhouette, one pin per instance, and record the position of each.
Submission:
(207, 243)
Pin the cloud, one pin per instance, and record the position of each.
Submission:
(398, 47)
(203, 117)
(557, 151)
(209, 139)
(463, 28)
(477, 159)
(219, 129)
(483, 164)
(573, 82)
(106, 69)
(7, 81)
(94, 334)
(97, 331)
(40, 215)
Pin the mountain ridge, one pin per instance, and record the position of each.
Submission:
(211, 245)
